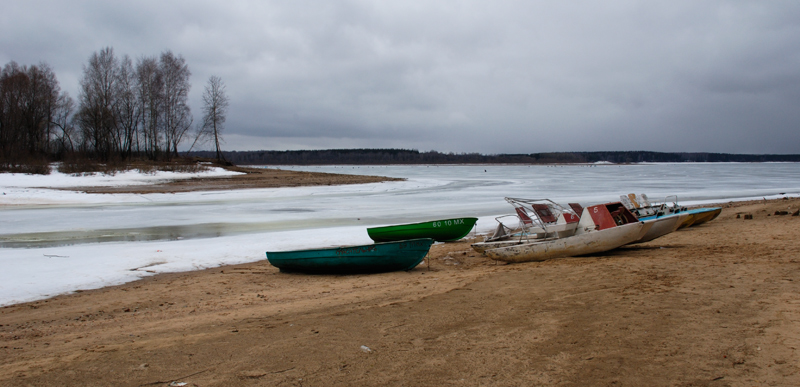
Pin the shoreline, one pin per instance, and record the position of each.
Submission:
(712, 305)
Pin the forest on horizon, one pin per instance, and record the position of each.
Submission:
(410, 156)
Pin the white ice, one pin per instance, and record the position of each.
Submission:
(48, 236)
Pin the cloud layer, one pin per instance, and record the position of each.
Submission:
(460, 76)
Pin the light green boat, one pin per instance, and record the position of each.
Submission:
(444, 230)
(379, 257)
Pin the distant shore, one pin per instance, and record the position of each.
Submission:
(415, 157)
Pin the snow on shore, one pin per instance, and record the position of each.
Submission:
(57, 179)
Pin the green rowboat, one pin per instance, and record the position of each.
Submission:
(379, 257)
(444, 230)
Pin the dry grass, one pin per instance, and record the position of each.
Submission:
(38, 168)
(85, 166)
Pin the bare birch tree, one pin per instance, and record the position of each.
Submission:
(215, 109)
(96, 114)
(150, 90)
(177, 117)
(128, 109)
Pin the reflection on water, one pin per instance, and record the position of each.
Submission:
(206, 230)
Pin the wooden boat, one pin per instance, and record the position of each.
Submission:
(375, 258)
(443, 230)
(601, 228)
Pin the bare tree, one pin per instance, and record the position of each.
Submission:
(43, 100)
(14, 81)
(215, 109)
(128, 109)
(121, 110)
(150, 89)
(177, 117)
(28, 102)
(96, 114)
(65, 142)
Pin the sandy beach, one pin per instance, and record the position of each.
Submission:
(712, 305)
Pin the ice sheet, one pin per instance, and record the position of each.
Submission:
(58, 241)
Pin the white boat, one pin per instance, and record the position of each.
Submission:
(665, 214)
(602, 227)
(534, 219)
(661, 226)
(640, 205)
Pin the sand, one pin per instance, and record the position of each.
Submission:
(251, 178)
(712, 305)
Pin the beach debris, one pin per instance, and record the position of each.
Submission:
(365, 349)
(178, 384)
(56, 256)
(796, 213)
(748, 216)
(781, 212)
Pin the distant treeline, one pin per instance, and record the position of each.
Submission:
(407, 156)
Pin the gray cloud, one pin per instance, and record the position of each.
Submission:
(461, 76)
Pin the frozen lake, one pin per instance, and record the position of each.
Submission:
(53, 242)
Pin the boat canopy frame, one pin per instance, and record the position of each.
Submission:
(534, 219)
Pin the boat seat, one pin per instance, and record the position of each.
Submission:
(618, 218)
(626, 202)
(544, 213)
(632, 198)
(523, 217)
(577, 208)
(643, 200)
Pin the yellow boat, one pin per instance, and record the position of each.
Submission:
(700, 216)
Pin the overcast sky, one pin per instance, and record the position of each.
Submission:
(455, 76)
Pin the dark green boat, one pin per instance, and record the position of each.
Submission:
(444, 230)
(379, 257)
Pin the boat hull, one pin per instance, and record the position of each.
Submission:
(481, 247)
(587, 243)
(375, 258)
(699, 216)
(661, 226)
(444, 230)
